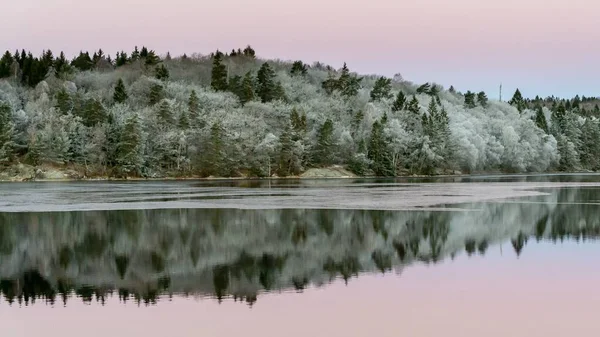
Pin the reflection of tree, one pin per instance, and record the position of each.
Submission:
(519, 242)
(142, 255)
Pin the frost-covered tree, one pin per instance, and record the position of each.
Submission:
(469, 100)
(482, 99)
(6, 134)
(400, 102)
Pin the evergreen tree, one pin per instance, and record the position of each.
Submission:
(193, 105)
(266, 83)
(518, 101)
(162, 73)
(83, 62)
(424, 89)
(413, 106)
(64, 103)
(156, 94)
(164, 112)
(399, 103)
(298, 69)
(129, 157)
(247, 92)
(590, 147)
(324, 149)
(249, 52)
(382, 89)
(469, 100)
(135, 55)
(93, 113)
(214, 158)
(452, 90)
(219, 73)
(121, 59)
(144, 52)
(61, 65)
(183, 122)
(120, 94)
(378, 152)
(152, 59)
(5, 64)
(540, 119)
(286, 153)
(482, 99)
(434, 91)
(348, 84)
(6, 134)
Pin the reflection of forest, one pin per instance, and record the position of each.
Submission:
(140, 255)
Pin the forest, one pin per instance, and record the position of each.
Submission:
(140, 114)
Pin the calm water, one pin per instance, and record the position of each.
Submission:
(477, 256)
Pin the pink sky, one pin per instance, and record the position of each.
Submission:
(551, 290)
(543, 46)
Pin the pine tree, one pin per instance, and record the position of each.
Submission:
(452, 90)
(298, 69)
(152, 59)
(219, 73)
(518, 101)
(469, 100)
(83, 62)
(6, 134)
(348, 84)
(144, 52)
(156, 94)
(482, 99)
(424, 89)
(399, 103)
(193, 105)
(266, 83)
(324, 149)
(120, 94)
(382, 89)
(162, 73)
(540, 119)
(121, 59)
(135, 55)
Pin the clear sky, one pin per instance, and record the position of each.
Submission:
(542, 46)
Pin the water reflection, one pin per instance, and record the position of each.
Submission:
(147, 255)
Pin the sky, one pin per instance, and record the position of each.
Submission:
(543, 47)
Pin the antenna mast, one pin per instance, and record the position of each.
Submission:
(500, 92)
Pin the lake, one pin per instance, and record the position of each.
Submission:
(456, 256)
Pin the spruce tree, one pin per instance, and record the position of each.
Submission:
(249, 52)
(399, 103)
(219, 73)
(469, 100)
(151, 59)
(434, 91)
(286, 153)
(156, 94)
(193, 105)
(120, 94)
(164, 112)
(324, 149)
(128, 153)
(162, 73)
(540, 119)
(266, 83)
(93, 113)
(64, 103)
(482, 99)
(135, 55)
(382, 89)
(518, 101)
(413, 106)
(183, 122)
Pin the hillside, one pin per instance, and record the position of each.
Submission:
(231, 115)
